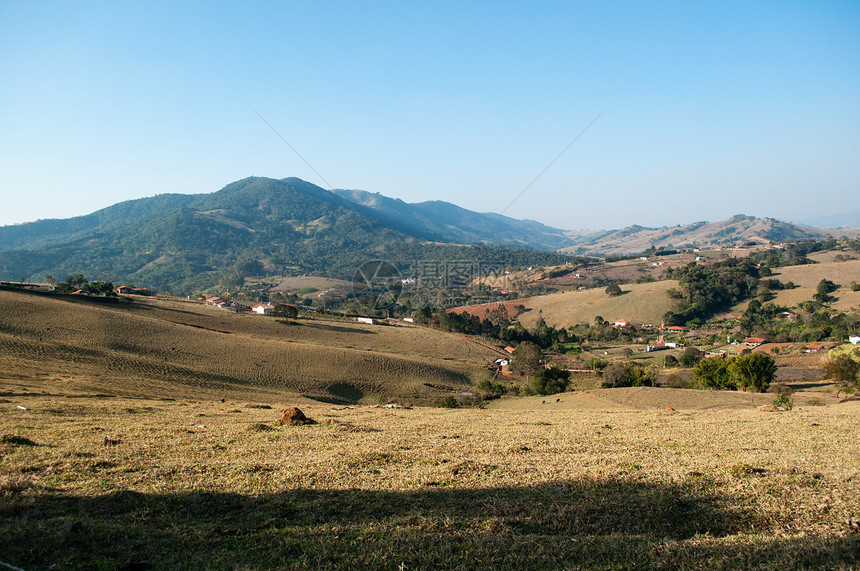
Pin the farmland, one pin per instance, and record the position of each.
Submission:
(164, 348)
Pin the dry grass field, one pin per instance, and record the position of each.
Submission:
(163, 348)
(145, 436)
(808, 276)
(640, 303)
(114, 483)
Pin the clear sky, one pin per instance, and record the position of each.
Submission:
(711, 108)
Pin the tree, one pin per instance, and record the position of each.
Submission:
(842, 369)
(753, 371)
(712, 373)
(550, 381)
(822, 292)
(526, 358)
(285, 311)
(614, 290)
(690, 357)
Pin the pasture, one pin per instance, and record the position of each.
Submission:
(107, 482)
(163, 348)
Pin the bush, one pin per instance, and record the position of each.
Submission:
(491, 387)
(448, 402)
(783, 402)
(627, 375)
(614, 290)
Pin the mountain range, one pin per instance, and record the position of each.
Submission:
(258, 226)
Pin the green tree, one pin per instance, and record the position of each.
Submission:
(712, 373)
(549, 381)
(614, 290)
(842, 369)
(285, 311)
(753, 371)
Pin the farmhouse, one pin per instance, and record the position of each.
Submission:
(622, 323)
(263, 308)
(854, 339)
(367, 320)
(753, 341)
(814, 347)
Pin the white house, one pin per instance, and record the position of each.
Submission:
(854, 339)
(263, 308)
(366, 320)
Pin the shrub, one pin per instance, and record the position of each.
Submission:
(627, 375)
(448, 402)
(843, 370)
(491, 387)
(783, 402)
(613, 290)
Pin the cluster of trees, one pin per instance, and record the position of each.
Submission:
(77, 282)
(753, 371)
(706, 289)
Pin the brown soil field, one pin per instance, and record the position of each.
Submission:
(114, 483)
(165, 348)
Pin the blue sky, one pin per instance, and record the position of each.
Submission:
(710, 109)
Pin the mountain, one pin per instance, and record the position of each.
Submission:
(834, 221)
(739, 229)
(250, 227)
(448, 222)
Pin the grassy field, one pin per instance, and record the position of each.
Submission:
(640, 303)
(162, 348)
(149, 484)
(145, 436)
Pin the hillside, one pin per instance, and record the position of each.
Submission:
(254, 226)
(450, 223)
(736, 230)
(640, 303)
(161, 348)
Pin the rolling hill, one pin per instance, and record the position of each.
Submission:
(156, 348)
(739, 229)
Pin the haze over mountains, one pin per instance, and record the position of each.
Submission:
(261, 225)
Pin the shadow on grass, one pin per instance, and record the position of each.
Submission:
(581, 523)
(337, 328)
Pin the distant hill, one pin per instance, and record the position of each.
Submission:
(834, 221)
(450, 223)
(739, 229)
(254, 226)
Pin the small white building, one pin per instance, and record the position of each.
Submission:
(854, 339)
(263, 308)
(367, 320)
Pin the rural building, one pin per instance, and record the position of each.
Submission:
(263, 308)
(753, 341)
(814, 347)
(622, 323)
(509, 349)
(408, 320)
(854, 339)
(367, 320)
(675, 328)
(128, 290)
